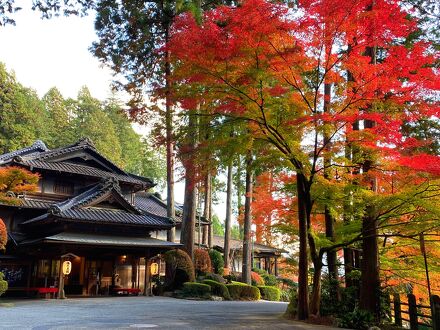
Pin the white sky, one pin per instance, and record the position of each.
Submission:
(48, 53)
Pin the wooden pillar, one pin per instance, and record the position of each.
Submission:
(134, 262)
(276, 266)
(147, 277)
(61, 294)
(397, 310)
(412, 309)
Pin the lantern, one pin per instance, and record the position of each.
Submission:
(67, 267)
(154, 268)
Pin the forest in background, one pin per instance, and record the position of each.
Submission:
(25, 117)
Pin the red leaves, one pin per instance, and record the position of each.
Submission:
(423, 162)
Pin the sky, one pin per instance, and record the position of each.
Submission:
(48, 53)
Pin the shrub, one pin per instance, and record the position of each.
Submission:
(243, 291)
(358, 319)
(215, 277)
(286, 295)
(197, 290)
(269, 280)
(218, 289)
(250, 293)
(182, 269)
(270, 293)
(202, 261)
(256, 279)
(3, 284)
(217, 261)
(292, 308)
(287, 282)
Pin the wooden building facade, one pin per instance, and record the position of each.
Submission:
(87, 211)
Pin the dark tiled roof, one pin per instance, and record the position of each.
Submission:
(83, 144)
(80, 209)
(153, 204)
(105, 216)
(97, 193)
(30, 204)
(40, 157)
(81, 170)
(36, 148)
(103, 240)
(35, 204)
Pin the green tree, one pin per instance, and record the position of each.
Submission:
(93, 122)
(217, 226)
(21, 113)
(59, 123)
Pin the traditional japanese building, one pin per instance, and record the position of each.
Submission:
(88, 211)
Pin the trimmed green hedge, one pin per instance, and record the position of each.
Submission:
(270, 293)
(243, 292)
(198, 290)
(218, 289)
(3, 284)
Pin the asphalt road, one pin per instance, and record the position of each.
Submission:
(144, 313)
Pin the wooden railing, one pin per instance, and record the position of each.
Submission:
(416, 315)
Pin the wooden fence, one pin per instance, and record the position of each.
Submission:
(417, 316)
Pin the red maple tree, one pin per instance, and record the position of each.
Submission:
(267, 66)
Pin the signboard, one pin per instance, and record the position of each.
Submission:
(67, 267)
(154, 268)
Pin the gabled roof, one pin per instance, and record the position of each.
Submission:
(38, 156)
(84, 170)
(84, 148)
(85, 207)
(36, 148)
(107, 190)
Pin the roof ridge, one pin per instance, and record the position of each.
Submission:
(85, 197)
(37, 145)
(106, 186)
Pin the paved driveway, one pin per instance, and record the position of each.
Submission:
(143, 313)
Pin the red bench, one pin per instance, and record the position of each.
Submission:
(126, 291)
(45, 291)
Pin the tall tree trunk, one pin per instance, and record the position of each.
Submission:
(238, 185)
(206, 207)
(329, 221)
(370, 279)
(350, 154)
(303, 268)
(171, 234)
(211, 227)
(228, 220)
(316, 293)
(247, 244)
(190, 200)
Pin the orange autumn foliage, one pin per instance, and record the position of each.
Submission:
(15, 180)
(3, 235)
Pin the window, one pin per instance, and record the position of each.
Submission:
(63, 188)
